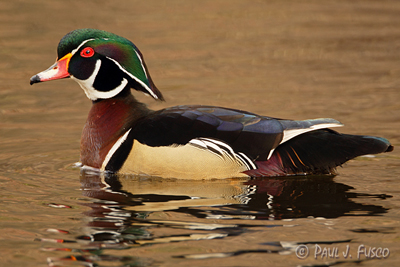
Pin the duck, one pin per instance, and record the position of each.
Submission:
(123, 136)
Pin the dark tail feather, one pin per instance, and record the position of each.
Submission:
(319, 152)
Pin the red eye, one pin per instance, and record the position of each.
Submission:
(87, 52)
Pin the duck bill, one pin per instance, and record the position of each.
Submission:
(58, 70)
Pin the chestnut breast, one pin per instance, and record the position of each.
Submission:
(107, 121)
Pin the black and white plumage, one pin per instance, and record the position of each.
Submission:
(195, 142)
(258, 145)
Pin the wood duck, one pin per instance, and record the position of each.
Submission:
(196, 142)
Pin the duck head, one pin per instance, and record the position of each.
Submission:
(104, 65)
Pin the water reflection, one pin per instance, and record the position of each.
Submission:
(278, 198)
(121, 207)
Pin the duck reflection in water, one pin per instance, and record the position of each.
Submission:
(121, 202)
(124, 209)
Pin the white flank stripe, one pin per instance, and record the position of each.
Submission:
(289, 134)
(219, 147)
(199, 143)
(213, 146)
(113, 149)
(221, 144)
(224, 151)
(271, 152)
(250, 164)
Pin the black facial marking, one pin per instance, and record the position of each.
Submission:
(109, 76)
(81, 68)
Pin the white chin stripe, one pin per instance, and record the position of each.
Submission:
(92, 93)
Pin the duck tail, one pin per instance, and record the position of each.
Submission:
(318, 152)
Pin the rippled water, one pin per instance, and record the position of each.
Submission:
(291, 59)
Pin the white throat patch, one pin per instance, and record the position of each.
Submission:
(91, 92)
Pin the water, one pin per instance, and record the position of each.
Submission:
(293, 60)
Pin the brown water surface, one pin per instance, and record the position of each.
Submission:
(288, 59)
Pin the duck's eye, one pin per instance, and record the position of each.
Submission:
(87, 52)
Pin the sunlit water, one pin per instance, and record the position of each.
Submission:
(290, 60)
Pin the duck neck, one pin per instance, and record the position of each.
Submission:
(107, 121)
